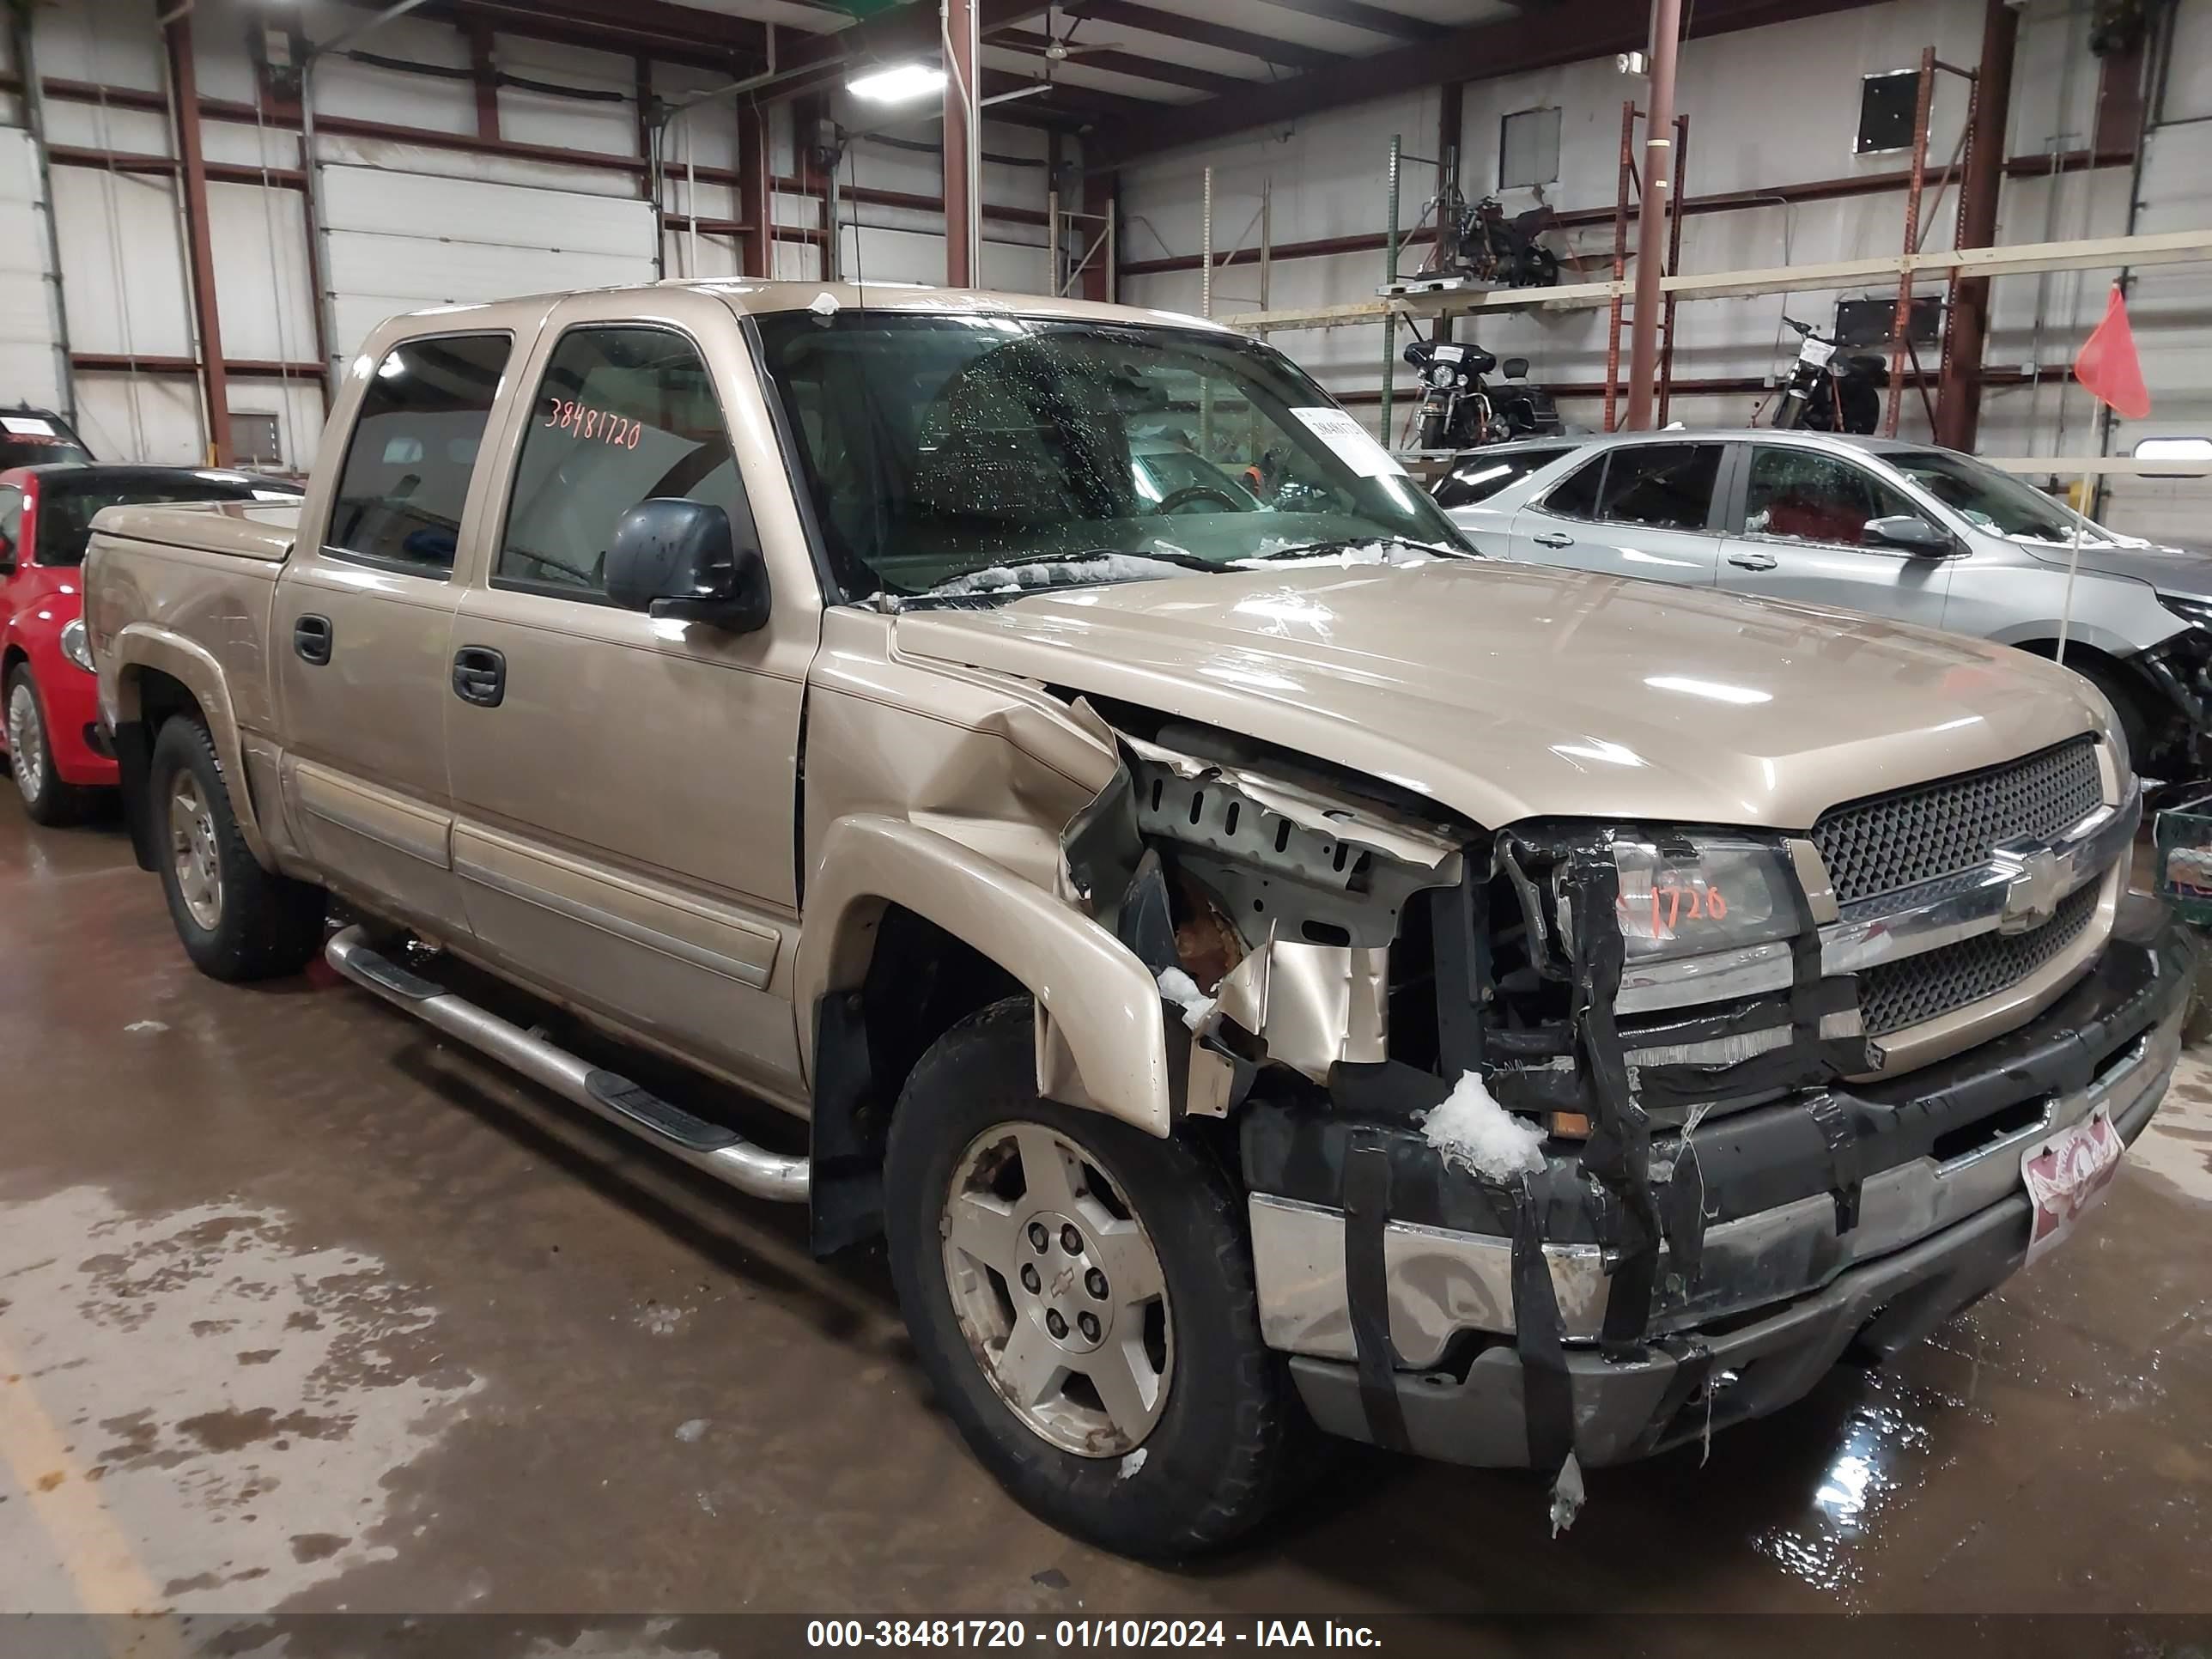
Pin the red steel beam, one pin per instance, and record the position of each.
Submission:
(1357, 14)
(1817, 190)
(1958, 402)
(243, 368)
(199, 238)
(962, 89)
(1126, 14)
(486, 75)
(1652, 217)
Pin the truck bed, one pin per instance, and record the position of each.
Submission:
(263, 531)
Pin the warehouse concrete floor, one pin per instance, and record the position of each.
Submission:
(299, 1311)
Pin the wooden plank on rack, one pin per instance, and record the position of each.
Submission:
(2022, 259)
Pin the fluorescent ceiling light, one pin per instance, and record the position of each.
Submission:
(902, 83)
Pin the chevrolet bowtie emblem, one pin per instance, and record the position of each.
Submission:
(2032, 896)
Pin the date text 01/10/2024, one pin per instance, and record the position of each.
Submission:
(1085, 1633)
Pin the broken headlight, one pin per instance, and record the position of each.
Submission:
(1691, 896)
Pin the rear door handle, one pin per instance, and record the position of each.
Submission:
(1553, 539)
(480, 675)
(311, 637)
(1752, 560)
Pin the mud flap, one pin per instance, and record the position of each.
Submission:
(844, 1148)
(134, 760)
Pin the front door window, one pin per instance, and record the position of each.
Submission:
(1807, 496)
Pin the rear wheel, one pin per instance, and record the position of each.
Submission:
(1080, 1294)
(237, 920)
(31, 756)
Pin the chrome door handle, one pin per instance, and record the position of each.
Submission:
(1554, 539)
(1752, 560)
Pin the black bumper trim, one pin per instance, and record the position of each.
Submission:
(1629, 1407)
(1749, 1161)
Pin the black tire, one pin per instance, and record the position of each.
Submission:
(2127, 706)
(1223, 1447)
(37, 786)
(263, 925)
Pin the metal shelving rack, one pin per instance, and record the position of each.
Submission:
(1912, 265)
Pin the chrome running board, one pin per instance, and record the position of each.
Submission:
(722, 1153)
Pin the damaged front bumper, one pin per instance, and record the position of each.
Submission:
(1429, 1312)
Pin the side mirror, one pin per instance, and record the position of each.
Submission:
(1514, 368)
(1909, 533)
(676, 560)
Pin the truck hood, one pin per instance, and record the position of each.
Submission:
(2169, 570)
(1507, 691)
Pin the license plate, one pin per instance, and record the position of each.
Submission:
(1816, 352)
(2065, 1174)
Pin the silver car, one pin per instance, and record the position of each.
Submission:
(1898, 529)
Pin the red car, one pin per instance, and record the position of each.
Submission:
(49, 702)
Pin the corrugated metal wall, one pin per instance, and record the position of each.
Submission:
(406, 224)
(1767, 106)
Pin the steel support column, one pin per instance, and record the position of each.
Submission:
(964, 224)
(1651, 223)
(1959, 397)
(192, 177)
(1451, 134)
(33, 99)
(485, 75)
(756, 191)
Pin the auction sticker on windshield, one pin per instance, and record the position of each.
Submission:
(1354, 444)
(2065, 1174)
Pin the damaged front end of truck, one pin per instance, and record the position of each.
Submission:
(1568, 1141)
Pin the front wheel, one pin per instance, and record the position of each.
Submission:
(31, 756)
(237, 920)
(1081, 1297)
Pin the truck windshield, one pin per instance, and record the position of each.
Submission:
(1993, 500)
(954, 456)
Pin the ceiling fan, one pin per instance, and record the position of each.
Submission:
(1057, 49)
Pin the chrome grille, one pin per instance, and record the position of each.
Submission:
(1932, 829)
(1901, 993)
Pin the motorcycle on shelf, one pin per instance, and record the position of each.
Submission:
(1827, 392)
(1481, 245)
(1461, 410)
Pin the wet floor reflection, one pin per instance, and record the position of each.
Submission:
(1882, 1453)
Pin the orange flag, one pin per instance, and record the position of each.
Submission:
(2108, 365)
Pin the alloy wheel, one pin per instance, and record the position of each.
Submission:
(192, 849)
(1057, 1289)
(26, 743)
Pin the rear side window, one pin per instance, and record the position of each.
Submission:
(1479, 476)
(11, 525)
(29, 440)
(624, 415)
(413, 450)
(66, 508)
(1576, 496)
(1664, 486)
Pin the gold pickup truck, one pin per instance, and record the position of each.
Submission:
(1254, 964)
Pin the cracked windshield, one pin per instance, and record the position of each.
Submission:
(951, 460)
